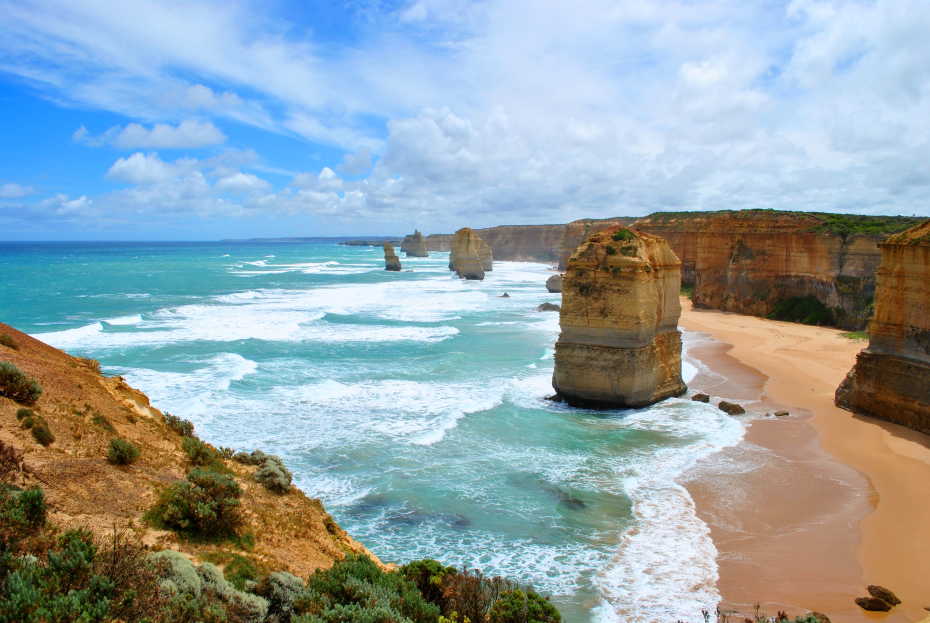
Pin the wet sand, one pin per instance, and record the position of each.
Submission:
(814, 506)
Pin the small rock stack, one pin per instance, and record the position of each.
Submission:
(470, 256)
(391, 261)
(414, 245)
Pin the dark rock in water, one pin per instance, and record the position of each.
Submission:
(549, 307)
(391, 261)
(880, 592)
(781, 413)
(504, 296)
(730, 408)
(873, 604)
(555, 398)
(554, 283)
(701, 398)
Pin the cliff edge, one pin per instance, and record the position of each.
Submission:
(891, 378)
(619, 345)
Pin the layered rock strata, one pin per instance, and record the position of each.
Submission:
(414, 245)
(470, 257)
(391, 261)
(891, 378)
(619, 345)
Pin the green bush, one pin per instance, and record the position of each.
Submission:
(103, 422)
(429, 576)
(22, 414)
(183, 427)
(21, 512)
(204, 505)
(623, 235)
(122, 452)
(518, 606)
(42, 434)
(273, 475)
(17, 386)
(198, 452)
(255, 457)
(355, 589)
(6, 340)
(803, 309)
(282, 590)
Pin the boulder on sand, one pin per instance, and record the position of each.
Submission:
(730, 408)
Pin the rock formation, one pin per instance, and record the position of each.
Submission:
(549, 307)
(414, 245)
(554, 283)
(391, 261)
(470, 256)
(751, 261)
(620, 345)
(891, 378)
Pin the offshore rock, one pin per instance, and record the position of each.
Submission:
(391, 261)
(554, 283)
(700, 398)
(873, 604)
(470, 256)
(730, 408)
(891, 378)
(549, 307)
(414, 245)
(883, 593)
(620, 345)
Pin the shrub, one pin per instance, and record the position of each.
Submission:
(470, 594)
(183, 427)
(273, 475)
(103, 422)
(803, 309)
(198, 452)
(205, 505)
(355, 589)
(177, 574)
(623, 235)
(628, 250)
(23, 511)
(11, 462)
(17, 386)
(256, 457)
(245, 607)
(122, 452)
(518, 606)
(282, 590)
(6, 340)
(22, 414)
(429, 576)
(41, 432)
(610, 250)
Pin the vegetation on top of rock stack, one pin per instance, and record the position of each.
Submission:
(846, 224)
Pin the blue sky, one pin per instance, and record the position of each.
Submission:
(205, 119)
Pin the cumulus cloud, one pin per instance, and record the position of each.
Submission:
(187, 134)
(14, 191)
(515, 110)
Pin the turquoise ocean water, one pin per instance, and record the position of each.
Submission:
(412, 403)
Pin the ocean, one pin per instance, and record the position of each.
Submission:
(412, 404)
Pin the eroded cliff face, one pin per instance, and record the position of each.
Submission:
(619, 345)
(749, 261)
(414, 245)
(470, 256)
(391, 261)
(891, 378)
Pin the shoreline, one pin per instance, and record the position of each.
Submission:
(811, 508)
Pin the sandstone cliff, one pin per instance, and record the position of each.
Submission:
(391, 261)
(470, 256)
(754, 261)
(891, 378)
(85, 410)
(414, 245)
(619, 345)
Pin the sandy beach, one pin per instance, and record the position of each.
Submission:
(812, 507)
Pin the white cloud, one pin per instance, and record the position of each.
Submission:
(187, 134)
(242, 183)
(14, 191)
(142, 168)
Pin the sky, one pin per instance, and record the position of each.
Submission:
(201, 119)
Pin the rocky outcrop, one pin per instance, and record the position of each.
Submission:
(578, 231)
(891, 378)
(757, 261)
(470, 256)
(391, 261)
(619, 345)
(554, 283)
(548, 307)
(414, 245)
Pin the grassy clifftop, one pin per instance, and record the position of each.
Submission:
(819, 222)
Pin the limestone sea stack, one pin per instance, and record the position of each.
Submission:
(470, 256)
(620, 345)
(414, 245)
(391, 261)
(891, 378)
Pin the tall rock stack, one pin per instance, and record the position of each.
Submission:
(891, 378)
(414, 245)
(391, 261)
(620, 345)
(470, 256)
